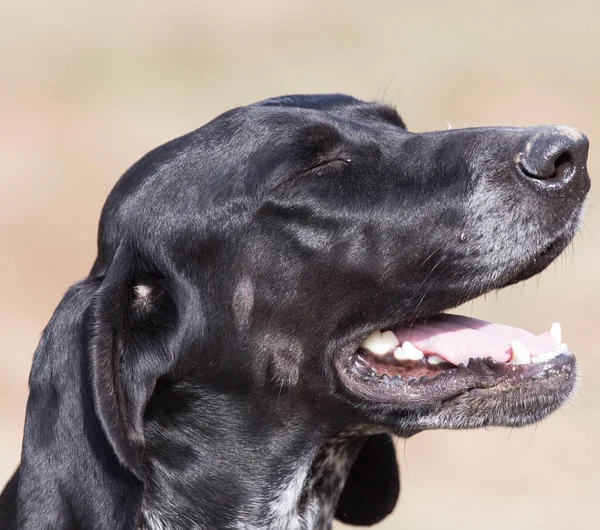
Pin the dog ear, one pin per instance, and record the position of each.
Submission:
(373, 486)
(133, 317)
(92, 375)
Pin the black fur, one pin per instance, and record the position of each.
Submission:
(190, 380)
(374, 480)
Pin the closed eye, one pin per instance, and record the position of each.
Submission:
(330, 162)
(318, 168)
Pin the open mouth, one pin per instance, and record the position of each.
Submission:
(447, 355)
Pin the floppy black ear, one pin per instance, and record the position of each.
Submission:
(92, 374)
(373, 486)
(133, 321)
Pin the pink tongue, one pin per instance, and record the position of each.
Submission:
(456, 339)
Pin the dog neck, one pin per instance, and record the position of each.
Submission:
(309, 496)
(300, 494)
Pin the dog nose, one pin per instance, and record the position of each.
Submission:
(556, 157)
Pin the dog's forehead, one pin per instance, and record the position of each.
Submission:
(336, 106)
(237, 155)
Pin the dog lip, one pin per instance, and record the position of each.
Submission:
(479, 374)
(537, 263)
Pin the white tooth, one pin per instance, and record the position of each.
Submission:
(550, 355)
(414, 352)
(520, 354)
(373, 343)
(435, 359)
(556, 333)
(544, 357)
(390, 339)
(380, 343)
(400, 355)
(408, 352)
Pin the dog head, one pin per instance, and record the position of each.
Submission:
(293, 260)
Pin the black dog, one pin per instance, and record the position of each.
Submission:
(209, 372)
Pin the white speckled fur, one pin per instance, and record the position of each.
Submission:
(305, 499)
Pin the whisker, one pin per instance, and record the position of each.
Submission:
(507, 438)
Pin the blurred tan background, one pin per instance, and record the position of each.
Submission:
(86, 89)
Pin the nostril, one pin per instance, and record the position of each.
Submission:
(559, 169)
(563, 167)
(555, 157)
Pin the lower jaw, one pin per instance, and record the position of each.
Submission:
(417, 384)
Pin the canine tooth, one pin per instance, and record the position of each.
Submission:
(380, 343)
(520, 354)
(435, 359)
(408, 352)
(373, 342)
(556, 332)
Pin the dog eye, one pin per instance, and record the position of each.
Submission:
(318, 168)
(334, 163)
